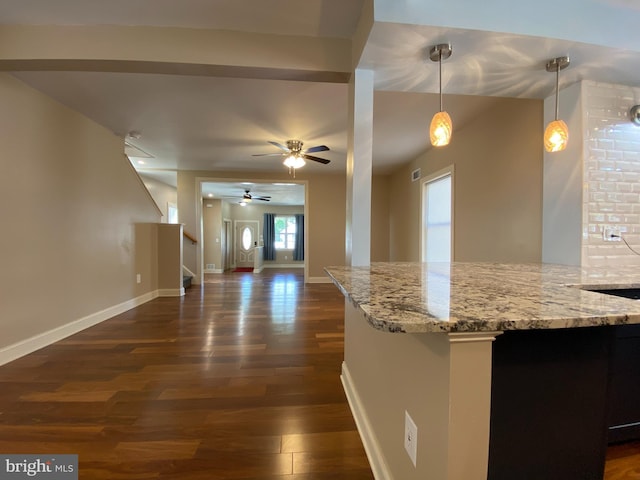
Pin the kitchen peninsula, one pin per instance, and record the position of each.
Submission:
(505, 369)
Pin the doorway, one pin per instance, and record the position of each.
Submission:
(437, 207)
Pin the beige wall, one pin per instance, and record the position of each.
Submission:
(380, 233)
(325, 218)
(162, 194)
(170, 259)
(498, 161)
(72, 204)
(442, 382)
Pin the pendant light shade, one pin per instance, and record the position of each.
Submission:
(556, 135)
(441, 127)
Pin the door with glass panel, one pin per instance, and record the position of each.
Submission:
(246, 240)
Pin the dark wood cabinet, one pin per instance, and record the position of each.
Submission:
(624, 387)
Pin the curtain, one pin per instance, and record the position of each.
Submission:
(298, 249)
(269, 236)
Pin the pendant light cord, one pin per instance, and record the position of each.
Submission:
(557, 85)
(440, 75)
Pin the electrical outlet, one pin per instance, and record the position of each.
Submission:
(138, 278)
(608, 231)
(410, 437)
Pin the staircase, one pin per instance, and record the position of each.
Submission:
(187, 276)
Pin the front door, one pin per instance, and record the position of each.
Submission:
(246, 240)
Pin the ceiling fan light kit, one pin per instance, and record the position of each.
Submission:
(295, 156)
(556, 135)
(441, 127)
(294, 161)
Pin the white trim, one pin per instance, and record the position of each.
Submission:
(237, 237)
(374, 453)
(185, 269)
(283, 265)
(30, 345)
(472, 337)
(258, 270)
(171, 292)
(319, 280)
(213, 270)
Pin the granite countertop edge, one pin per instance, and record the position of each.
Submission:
(399, 315)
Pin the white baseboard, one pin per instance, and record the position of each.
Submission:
(258, 270)
(371, 446)
(171, 292)
(30, 345)
(284, 265)
(319, 280)
(213, 270)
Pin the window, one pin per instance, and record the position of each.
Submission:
(285, 232)
(437, 220)
(247, 238)
(172, 213)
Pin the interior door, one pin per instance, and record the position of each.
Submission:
(246, 240)
(226, 246)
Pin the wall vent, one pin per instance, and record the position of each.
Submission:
(211, 266)
(415, 175)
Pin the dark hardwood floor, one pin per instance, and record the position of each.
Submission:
(238, 379)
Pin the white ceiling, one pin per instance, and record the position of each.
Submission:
(217, 124)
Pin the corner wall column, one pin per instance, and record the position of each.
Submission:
(359, 160)
(469, 404)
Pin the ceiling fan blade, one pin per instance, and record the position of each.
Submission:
(280, 146)
(264, 199)
(317, 159)
(319, 148)
(267, 154)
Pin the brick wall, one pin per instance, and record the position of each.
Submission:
(611, 191)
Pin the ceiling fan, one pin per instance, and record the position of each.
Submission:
(247, 197)
(295, 155)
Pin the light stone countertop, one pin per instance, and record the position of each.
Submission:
(474, 297)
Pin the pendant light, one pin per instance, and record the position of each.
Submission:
(556, 135)
(441, 127)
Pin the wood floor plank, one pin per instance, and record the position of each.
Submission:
(623, 462)
(157, 450)
(328, 461)
(321, 442)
